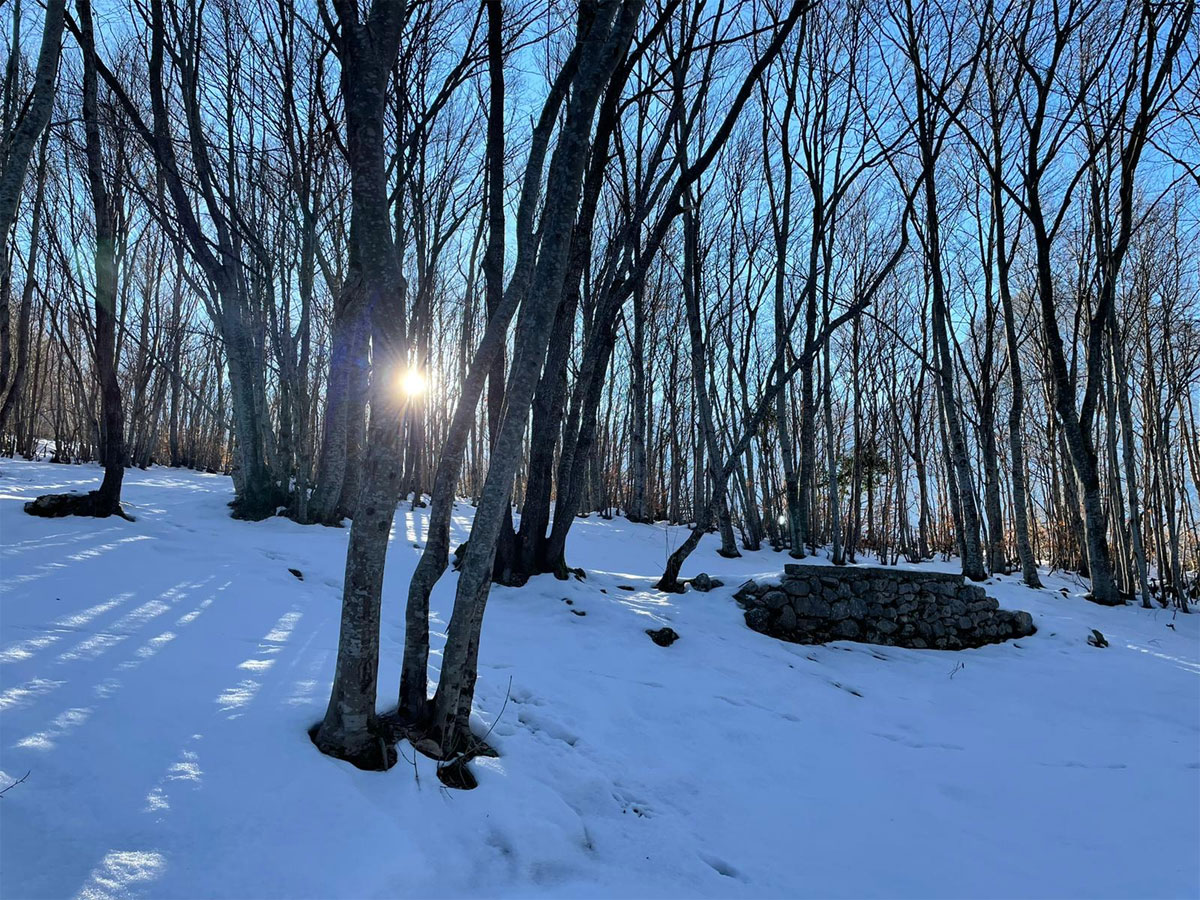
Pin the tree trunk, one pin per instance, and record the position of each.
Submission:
(107, 500)
(350, 730)
(606, 38)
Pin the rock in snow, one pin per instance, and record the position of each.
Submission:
(664, 637)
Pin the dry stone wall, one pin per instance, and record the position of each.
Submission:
(901, 607)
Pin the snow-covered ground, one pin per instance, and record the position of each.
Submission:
(157, 679)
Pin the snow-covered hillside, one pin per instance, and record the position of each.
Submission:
(157, 679)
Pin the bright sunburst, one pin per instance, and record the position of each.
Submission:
(412, 383)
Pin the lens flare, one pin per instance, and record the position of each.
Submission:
(412, 383)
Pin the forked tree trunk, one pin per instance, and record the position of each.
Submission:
(604, 39)
(414, 708)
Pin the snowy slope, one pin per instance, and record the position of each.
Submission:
(157, 679)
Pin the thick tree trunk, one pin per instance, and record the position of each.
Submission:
(1078, 442)
(548, 407)
(350, 729)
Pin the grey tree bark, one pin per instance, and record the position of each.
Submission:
(413, 702)
(15, 382)
(605, 32)
(106, 501)
(350, 729)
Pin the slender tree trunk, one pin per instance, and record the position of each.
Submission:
(34, 118)
(107, 500)
(16, 383)
(347, 341)
(637, 511)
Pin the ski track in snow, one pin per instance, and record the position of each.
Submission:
(157, 679)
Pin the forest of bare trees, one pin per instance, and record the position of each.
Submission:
(895, 280)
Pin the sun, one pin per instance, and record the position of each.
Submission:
(412, 383)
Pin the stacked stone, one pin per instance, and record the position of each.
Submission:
(898, 607)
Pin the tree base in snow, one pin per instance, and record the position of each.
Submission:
(453, 771)
(91, 504)
(1115, 600)
(254, 506)
(372, 755)
(456, 775)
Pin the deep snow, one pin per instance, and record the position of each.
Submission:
(157, 679)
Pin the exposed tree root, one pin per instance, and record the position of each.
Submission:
(53, 506)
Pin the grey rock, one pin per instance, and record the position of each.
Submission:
(847, 628)
(811, 606)
(775, 599)
(797, 588)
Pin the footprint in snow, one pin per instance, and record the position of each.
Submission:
(630, 805)
(537, 724)
(721, 867)
(524, 695)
